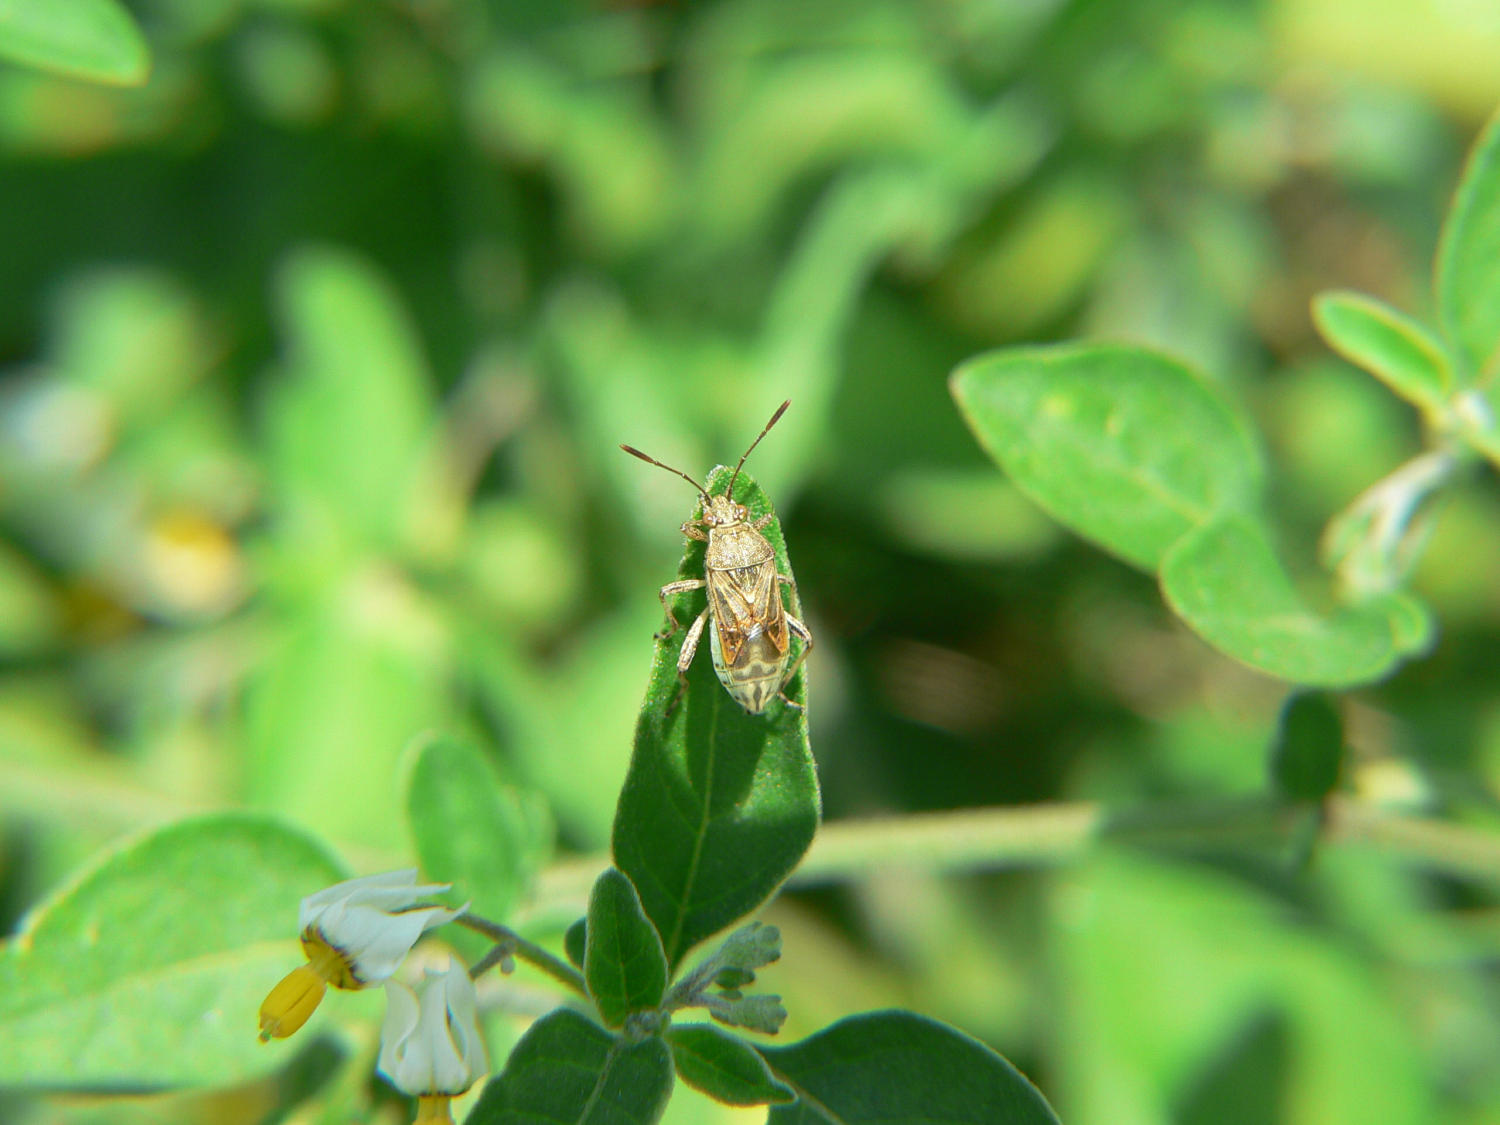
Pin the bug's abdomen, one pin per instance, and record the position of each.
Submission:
(755, 676)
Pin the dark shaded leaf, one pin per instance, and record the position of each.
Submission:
(719, 804)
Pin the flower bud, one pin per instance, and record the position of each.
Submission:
(750, 947)
(430, 1044)
(757, 1013)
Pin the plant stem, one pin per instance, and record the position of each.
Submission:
(1030, 836)
(527, 951)
(1046, 835)
(970, 839)
(1454, 849)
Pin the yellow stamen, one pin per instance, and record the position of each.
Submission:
(432, 1109)
(329, 961)
(289, 1004)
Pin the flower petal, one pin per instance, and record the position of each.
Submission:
(401, 1011)
(430, 1044)
(377, 943)
(445, 1069)
(385, 880)
(463, 1020)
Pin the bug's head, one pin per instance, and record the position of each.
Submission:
(721, 511)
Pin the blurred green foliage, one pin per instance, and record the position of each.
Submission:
(319, 344)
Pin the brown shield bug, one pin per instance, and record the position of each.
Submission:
(750, 629)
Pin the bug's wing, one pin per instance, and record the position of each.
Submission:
(742, 599)
(768, 608)
(732, 612)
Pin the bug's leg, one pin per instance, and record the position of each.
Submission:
(678, 587)
(685, 657)
(807, 642)
(760, 523)
(693, 531)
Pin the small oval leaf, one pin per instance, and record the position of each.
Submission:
(1226, 582)
(623, 961)
(1128, 448)
(1309, 749)
(93, 39)
(349, 417)
(724, 1066)
(719, 805)
(1468, 258)
(158, 959)
(569, 1071)
(469, 829)
(892, 1066)
(575, 941)
(1390, 345)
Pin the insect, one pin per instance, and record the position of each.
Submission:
(750, 629)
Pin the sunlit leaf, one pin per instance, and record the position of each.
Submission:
(93, 39)
(332, 707)
(1128, 448)
(469, 829)
(1388, 344)
(1226, 582)
(149, 971)
(1468, 260)
(1250, 980)
(347, 418)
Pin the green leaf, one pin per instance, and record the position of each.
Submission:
(724, 1066)
(623, 961)
(469, 829)
(1130, 930)
(575, 941)
(568, 1071)
(329, 712)
(93, 39)
(1127, 448)
(1412, 622)
(1309, 748)
(1225, 581)
(349, 418)
(1468, 258)
(719, 805)
(134, 336)
(894, 1066)
(1390, 345)
(149, 970)
(31, 613)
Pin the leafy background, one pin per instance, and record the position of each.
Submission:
(319, 343)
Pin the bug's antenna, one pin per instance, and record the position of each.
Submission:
(780, 410)
(634, 452)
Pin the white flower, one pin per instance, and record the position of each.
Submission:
(355, 934)
(430, 1045)
(369, 925)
